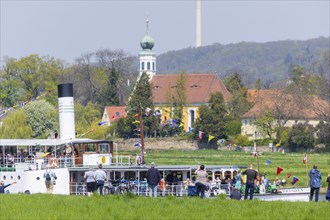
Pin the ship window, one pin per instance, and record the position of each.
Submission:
(104, 148)
(4, 177)
(90, 148)
(18, 177)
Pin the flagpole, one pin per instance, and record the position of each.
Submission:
(306, 170)
(141, 133)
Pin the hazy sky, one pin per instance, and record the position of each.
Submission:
(67, 29)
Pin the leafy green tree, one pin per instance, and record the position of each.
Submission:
(239, 104)
(30, 76)
(15, 126)
(265, 124)
(213, 118)
(85, 116)
(301, 137)
(141, 96)
(42, 117)
(323, 134)
(180, 96)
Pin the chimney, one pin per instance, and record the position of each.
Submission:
(66, 111)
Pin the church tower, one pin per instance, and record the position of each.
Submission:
(147, 56)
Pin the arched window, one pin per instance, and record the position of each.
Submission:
(142, 66)
(148, 66)
(153, 65)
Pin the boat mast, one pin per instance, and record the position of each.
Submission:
(141, 133)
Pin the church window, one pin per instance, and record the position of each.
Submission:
(148, 66)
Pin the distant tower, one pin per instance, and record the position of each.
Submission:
(147, 57)
(198, 24)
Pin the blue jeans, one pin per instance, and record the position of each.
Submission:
(249, 186)
(200, 188)
(153, 190)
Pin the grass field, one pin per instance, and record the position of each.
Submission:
(290, 162)
(42, 206)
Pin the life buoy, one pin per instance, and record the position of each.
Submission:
(53, 162)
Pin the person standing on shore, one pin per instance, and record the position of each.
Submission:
(90, 181)
(251, 176)
(315, 183)
(100, 177)
(327, 197)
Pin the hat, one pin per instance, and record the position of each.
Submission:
(152, 164)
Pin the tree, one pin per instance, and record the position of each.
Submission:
(85, 116)
(323, 134)
(213, 118)
(15, 126)
(301, 137)
(265, 125)
(141, 96)
(239, 104)
(42, 117)
(30, 76)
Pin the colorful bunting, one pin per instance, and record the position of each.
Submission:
(200, 135)
(136, 122)
(181, 125)
(279, 170)
(289, 175)
(101, 123)
(305, 159)
(136, 115)
(210, 138)
(147, 111)
(137, 144)
(268, 162)
(295, 179)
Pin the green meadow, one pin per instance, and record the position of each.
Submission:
(40, 206)
(290, 162)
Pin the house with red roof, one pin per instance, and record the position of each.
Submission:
(113, 113)
(287, 110)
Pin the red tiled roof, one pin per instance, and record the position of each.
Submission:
(115, 112)
(198, 87)
(292, 106)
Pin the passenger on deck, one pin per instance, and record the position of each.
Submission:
(238, 179)
(201, 179)
(50, 178)
(235, 194)
(153, 178)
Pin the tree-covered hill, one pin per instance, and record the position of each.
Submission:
(270, 62)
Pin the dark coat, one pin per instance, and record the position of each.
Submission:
(153, 176)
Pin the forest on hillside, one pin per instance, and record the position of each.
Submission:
(270, 62)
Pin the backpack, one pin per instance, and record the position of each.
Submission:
(48, 178)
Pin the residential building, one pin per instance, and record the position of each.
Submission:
(287, 110)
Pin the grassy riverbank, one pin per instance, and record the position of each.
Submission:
(42, 206)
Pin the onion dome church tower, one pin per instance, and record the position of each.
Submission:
(147, 56)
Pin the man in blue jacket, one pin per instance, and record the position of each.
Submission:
(315, 183)
(153, 179)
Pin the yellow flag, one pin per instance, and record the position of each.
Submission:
(136, 122)
(211, 137)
